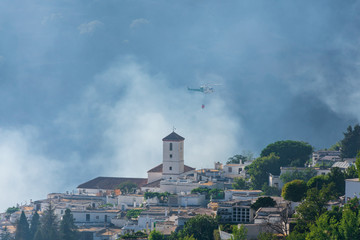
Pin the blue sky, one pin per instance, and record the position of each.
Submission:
(89, 88)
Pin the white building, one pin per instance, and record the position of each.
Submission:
(233, 194)
(90, 217)
(352, 188)
(172, 175)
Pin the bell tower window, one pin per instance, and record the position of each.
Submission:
(171, 147)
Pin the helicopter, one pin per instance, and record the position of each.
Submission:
(203, 88)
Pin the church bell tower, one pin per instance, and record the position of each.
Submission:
(173, 156)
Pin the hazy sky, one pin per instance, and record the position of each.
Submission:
(89, 88)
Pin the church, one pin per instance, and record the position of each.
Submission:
(172, 175)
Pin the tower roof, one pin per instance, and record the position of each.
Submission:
(173, 137)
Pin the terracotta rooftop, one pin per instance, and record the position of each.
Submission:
(173, 137)
(159, 168)
(110, 183)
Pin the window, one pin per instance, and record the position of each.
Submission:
(105, 218)
(88, 217)
(171, 146)
(230, 169)
(170, 155)
(170, 168)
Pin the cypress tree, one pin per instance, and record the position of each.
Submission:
(22, 228)
(68, 230)
(49, 225)
(34, 225)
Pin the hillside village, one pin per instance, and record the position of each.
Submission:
(173, 193)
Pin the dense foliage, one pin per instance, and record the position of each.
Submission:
(11, 210)
(260, 168)
(163, 197)
(209, 193)
(240, 158)
(127, 187)
(290, 153)
(137, 235)
(263, 202)
(133, 213)
(350, 145)
(200, 227)
(305, 175)
(47, 228)
(294, 191)
(240, 183)
(156, 235)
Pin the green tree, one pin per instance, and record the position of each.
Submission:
(188, 238)
(314, 204)
(305, 175)
(49, 225)
(291, 153)
(22, 228)
(349, 225)
(216, 193)
(240, 158)
(351, 172)
(68, 229)
(350, 145)
(294, 191)
(263, 202)
(337, 177)
(127, 187)
(239, 233)
(240, 183)
(200, 227)
(133, 213)
(357, 164)
(318, 182)
(11, 210)
(324, 228)
(34, 225)
(267, 236)
(260, 168)
(270, 191)
(156, 235)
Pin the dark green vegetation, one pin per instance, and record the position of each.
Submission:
(236, 159)
(263, 202)
(209, 193)
(11, 210)
(305, 175)
(294, 191)
(133, 213)
(350, 145)
(48, 228)
(290, 153)
(127, 187)
(137, 235)
(240, 183)
(163, 197)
